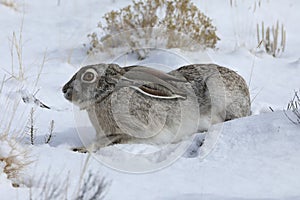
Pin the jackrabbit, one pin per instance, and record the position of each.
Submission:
(137, 104)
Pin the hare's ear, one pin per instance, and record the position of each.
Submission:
(145, 73)
(158, 91)
(113, 73)
(153, 83)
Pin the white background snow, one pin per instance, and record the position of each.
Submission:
(254, 158)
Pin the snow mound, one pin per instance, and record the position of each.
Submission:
(256, 157)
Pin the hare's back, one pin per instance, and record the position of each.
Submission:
(237, 94)
(213, 83)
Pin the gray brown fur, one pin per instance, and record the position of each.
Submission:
(237, 92)
(137, 105)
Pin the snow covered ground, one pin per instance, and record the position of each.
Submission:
(250, 158)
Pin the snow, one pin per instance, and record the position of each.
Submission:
(256, 157)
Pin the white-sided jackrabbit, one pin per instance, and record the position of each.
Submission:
(138, 104)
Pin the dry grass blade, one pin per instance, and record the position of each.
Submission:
(40, 70)
(17, 47)
(294, 106)
(51, 134)
(270, 38)
(2, 84)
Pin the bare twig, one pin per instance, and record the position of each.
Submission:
(31, 127)
(50, 135)
(29, 98)
(52, 188)
(92, 188)
(256, 95)
(2, 83)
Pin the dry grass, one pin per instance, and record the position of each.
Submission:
(92, 188)
(89, 187)
(155, 24)
(273, 39)
(255, 4)
(13, 157)
(10, 3)
(17, 69)
(16, 53)
(243, 18)
(51, 187)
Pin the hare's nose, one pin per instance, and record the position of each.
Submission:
(65, 88)
(68, 94)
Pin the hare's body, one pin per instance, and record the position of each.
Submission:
(141, 105)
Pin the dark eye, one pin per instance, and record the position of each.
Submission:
(89, 76)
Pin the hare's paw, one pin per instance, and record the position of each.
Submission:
(80, 149)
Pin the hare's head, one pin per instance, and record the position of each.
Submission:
(94, 83)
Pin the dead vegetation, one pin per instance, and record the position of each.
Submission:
(294, 107)
(10, 4)
(154, 24)
(273, 39)
(13, 158)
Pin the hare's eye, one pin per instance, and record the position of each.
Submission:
(89, 76)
